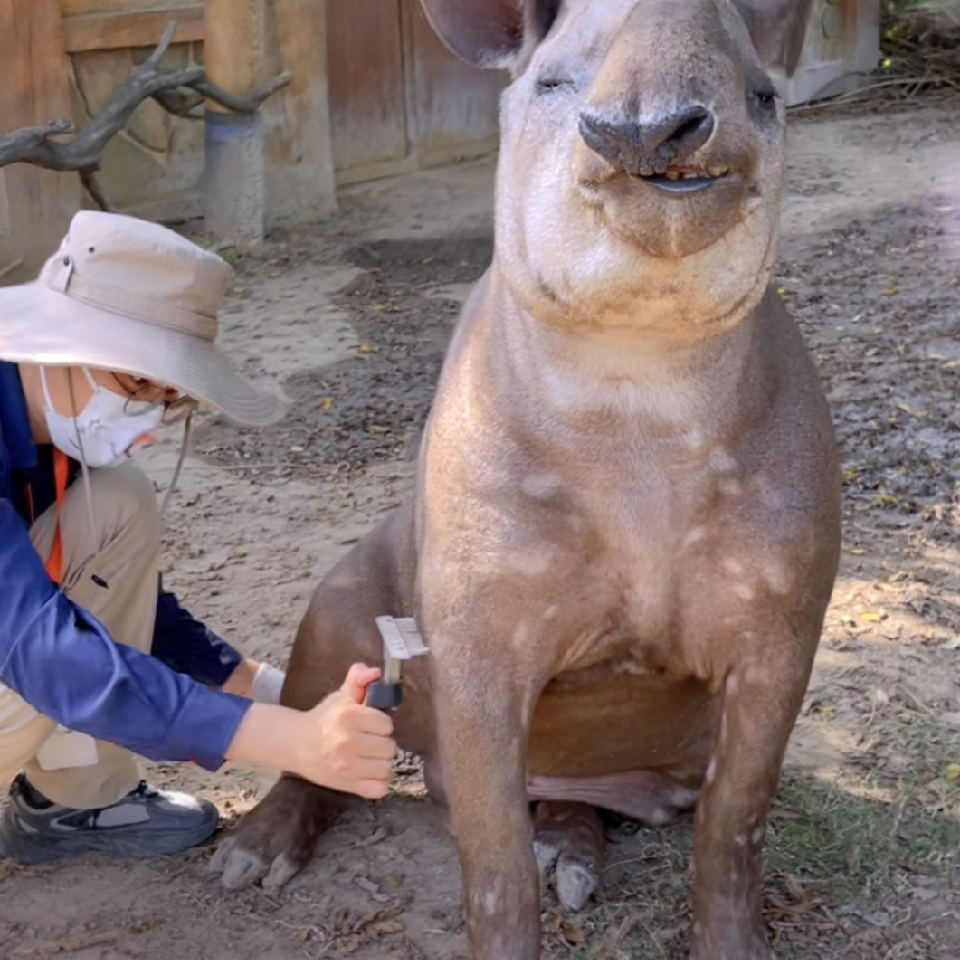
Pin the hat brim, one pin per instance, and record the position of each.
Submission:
(40, 325)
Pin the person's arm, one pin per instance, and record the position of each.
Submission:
(62, 661)
(188, 646)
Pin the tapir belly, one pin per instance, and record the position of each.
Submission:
(614, 740)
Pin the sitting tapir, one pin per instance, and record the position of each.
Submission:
(626, 524)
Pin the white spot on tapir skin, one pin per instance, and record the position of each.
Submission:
(740, 840)
(722, 462)
(756, 838)
(695, 536)
(490, 899)
(743, 590)
(711, 769)
(733, 681)
(733, 566)
(777, 579)
(529, 563)
(550, 612)
(539, 486)
(730, 487)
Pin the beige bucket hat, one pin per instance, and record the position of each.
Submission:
(130, 296)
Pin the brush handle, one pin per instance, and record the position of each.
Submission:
(384, 696)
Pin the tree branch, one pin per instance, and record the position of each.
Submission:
(84, 152)
(182, 103)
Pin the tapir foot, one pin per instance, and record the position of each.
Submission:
(277, 839)
(569, 842)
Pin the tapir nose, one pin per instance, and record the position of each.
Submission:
(649, 146)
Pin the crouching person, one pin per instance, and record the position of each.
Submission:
(98, 662)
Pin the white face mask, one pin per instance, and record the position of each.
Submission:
(107, 426)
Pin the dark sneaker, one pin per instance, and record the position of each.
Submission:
(145, 823)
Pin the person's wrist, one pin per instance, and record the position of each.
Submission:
(269, 735)
(240, 682)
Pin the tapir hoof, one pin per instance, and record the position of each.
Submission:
(569, 842)
(277, 839)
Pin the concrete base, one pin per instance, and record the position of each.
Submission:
(234, 179)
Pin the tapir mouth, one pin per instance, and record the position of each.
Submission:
(681, 179)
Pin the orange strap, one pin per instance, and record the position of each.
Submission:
(61, 475)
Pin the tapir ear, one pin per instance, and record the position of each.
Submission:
(778, 29)
(490, 33)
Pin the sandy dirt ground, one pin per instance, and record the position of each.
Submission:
(351, 320)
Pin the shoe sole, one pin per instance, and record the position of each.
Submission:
(40, 848)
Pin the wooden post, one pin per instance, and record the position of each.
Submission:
(36, 205)
(234, 181)
(301, 184)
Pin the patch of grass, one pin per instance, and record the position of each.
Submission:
(856, 838)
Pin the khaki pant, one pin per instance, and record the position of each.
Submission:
(124, 551)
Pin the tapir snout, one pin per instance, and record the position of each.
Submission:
(648, 146)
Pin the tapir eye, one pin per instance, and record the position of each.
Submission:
(551, 83)
(766, 97)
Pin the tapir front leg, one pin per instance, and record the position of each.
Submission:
(482, 730)
(483, 708)
(761, 700)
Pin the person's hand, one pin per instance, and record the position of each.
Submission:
(346, 745)
(341, 743)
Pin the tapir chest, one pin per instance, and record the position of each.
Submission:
(633, 576)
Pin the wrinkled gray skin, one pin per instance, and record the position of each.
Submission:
(625, 531)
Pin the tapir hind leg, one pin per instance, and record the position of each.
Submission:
(569, 842)
(276, 839)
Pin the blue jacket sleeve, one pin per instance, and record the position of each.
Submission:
(61, 660)
(188, 646)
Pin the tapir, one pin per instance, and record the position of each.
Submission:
(625, 528)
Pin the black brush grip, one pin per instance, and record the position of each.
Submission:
(384, 696)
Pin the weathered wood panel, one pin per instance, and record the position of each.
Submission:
(35, 90)
(843, 37)
(154, 167)
(300, 181)
(118, 30)
(368, 121)
(453, 106)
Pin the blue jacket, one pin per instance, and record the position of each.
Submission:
(61, 659)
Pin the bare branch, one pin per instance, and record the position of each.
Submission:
(182, 102)
(91, 183)
(251, 103)
(22, 144)
(84, 152)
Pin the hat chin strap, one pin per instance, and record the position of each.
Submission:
(181, 457)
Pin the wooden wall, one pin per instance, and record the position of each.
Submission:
(35, 205)
(373, 92)
(828, 56)
(397, 100)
